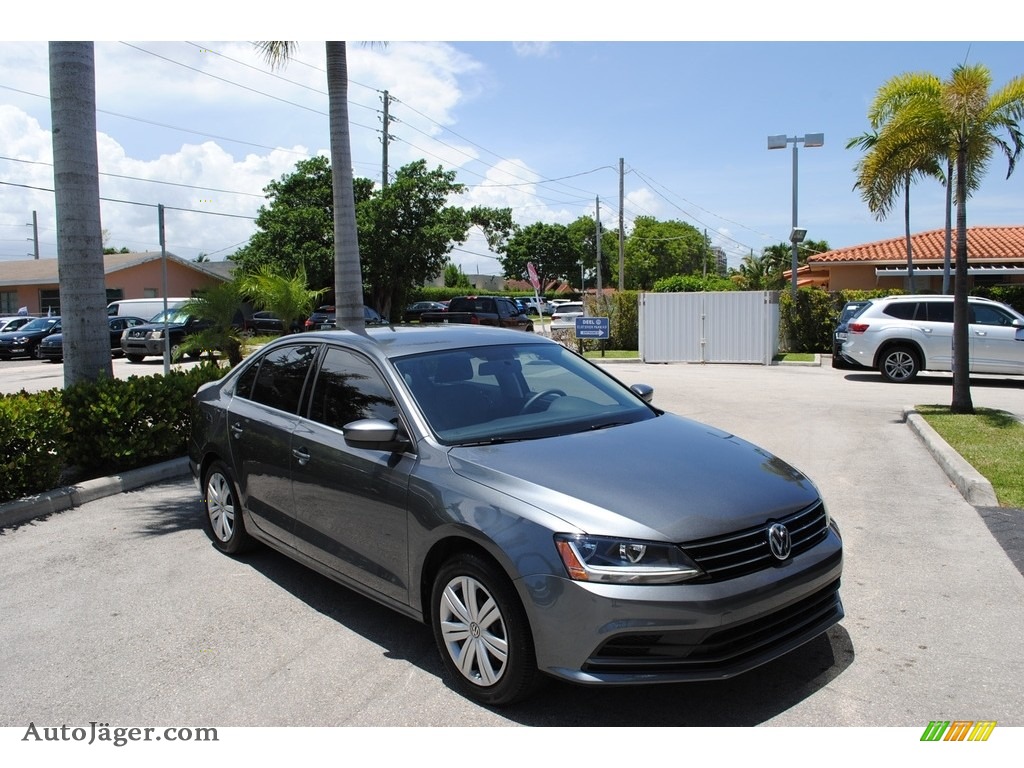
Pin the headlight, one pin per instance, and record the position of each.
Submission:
(623, 561)
(156, 335)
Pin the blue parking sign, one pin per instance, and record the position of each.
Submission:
(591, 327)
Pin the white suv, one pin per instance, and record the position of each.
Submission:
(899, 336)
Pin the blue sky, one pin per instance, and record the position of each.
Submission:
(538, 127)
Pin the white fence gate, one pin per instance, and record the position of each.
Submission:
(728, 327)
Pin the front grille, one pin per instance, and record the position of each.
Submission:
(743, 552)
(701, 654)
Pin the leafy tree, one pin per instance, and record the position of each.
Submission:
(83, 295)
(657, 249)
(348, 280)
(289, 298)
(407, 229)
(693, 284)
(768, 272)
(551, 248)
(454, 277)
(294, 230)
(584, 232)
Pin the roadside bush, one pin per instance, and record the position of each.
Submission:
(32, 431)
(807, 324)
(121, 424)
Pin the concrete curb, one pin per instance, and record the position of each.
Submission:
(60, 499)
(972, 485)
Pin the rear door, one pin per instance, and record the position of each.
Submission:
(261, 418)
(934, 322)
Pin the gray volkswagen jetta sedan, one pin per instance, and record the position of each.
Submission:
(539, 516)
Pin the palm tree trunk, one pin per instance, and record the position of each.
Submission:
(83, 296)
(910, 250)
(348, 278)
(962, 402)
(948, 246)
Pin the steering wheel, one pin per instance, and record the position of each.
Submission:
(534, 399)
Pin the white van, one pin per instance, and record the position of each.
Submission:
(144, 308)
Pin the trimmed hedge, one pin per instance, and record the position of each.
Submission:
(95, 428)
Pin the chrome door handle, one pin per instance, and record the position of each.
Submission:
(236, 430)
(301, 455)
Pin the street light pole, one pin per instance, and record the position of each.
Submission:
(780, 142)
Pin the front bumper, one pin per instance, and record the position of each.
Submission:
(687, 632)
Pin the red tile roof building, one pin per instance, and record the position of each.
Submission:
(995, 256)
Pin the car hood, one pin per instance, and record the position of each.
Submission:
(668, 478)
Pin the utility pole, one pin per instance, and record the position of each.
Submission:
(597, 221)
(622, 228)
(35, 235)
(385, 139)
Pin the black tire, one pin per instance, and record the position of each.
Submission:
(899, 364)
(482, 632)
(223, 520)
(135, 358)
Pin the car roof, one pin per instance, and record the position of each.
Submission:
(400, 341)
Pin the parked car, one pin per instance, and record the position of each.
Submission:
(472, 478)
(499, 311)
(142, 341)
(13, 323)
(25, 340)
(544, 307)
(900, 336)
(52, 347)
(564, 317)
(324, 318)
(266, 322)
(850, 308)
(144, 307)
(413, 311)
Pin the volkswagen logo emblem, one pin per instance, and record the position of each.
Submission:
(779, 542)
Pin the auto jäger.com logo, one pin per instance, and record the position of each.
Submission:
(958, 730)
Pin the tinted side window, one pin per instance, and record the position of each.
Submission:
(280, 378)
(348, 388)
(983, 314)
(939, 311)
(902, 310)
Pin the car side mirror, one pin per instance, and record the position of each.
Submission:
(375, 435)
(644, 391)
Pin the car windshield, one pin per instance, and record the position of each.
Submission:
(515, 392)
(174, 317)
(40, 324)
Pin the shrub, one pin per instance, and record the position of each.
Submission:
(122, 424)
(32, 431)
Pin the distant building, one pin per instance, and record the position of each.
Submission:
(33, 283)
(995, 256)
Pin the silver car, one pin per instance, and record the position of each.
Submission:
(539, 516)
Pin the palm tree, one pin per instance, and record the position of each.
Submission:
(289, 298)
(348, 278)
(83, 295)
(957, 121)
(220, 305)
(979, 123)
(894, 156)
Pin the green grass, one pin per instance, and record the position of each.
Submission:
(616, 353)
(991, 441)
(795, 357)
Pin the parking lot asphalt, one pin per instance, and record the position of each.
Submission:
(155, 625)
